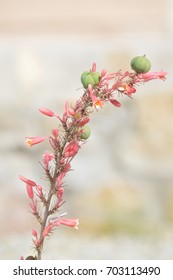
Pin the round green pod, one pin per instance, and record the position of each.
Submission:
(86, 131)
(96, 77)
(140, 64)
(89, 77)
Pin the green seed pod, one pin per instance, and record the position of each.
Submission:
(89, 77)
(96, 77)
(86, 131)
(141, 64)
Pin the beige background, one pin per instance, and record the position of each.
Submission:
(122, 184)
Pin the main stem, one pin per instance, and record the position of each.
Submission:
(43, 225)
(52, 179)
(58, 154)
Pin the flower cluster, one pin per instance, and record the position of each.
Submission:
(66, 140)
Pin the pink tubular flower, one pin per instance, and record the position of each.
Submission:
(59, 179)
(93, 69)
(48, 229)
(40, 191)
(109, 77)
(115, 102)
(71, 149)
(59, 194)
(67, 167)
(27, 181)
(30, 141)
(30, 192)
(66, 222)
(69, 109)
(127, 89)
(69, 222)
(69, 112)
(150, 76)
(55, 133)
(97, 102)
(34, 233)
(47, 112)
(33, 206)
(47, 157)
(103, 73)
(83, 121)
(91, 94)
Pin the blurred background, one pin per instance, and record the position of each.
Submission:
(122, 184)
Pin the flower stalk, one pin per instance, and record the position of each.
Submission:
(66, 141)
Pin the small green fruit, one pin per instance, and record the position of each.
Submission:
(86, 131)
(141, 64)
(89, 77)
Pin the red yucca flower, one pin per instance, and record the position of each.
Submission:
(67, 138)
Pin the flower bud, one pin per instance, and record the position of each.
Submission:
(85, 132)
(89, 77)
(141, 64)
